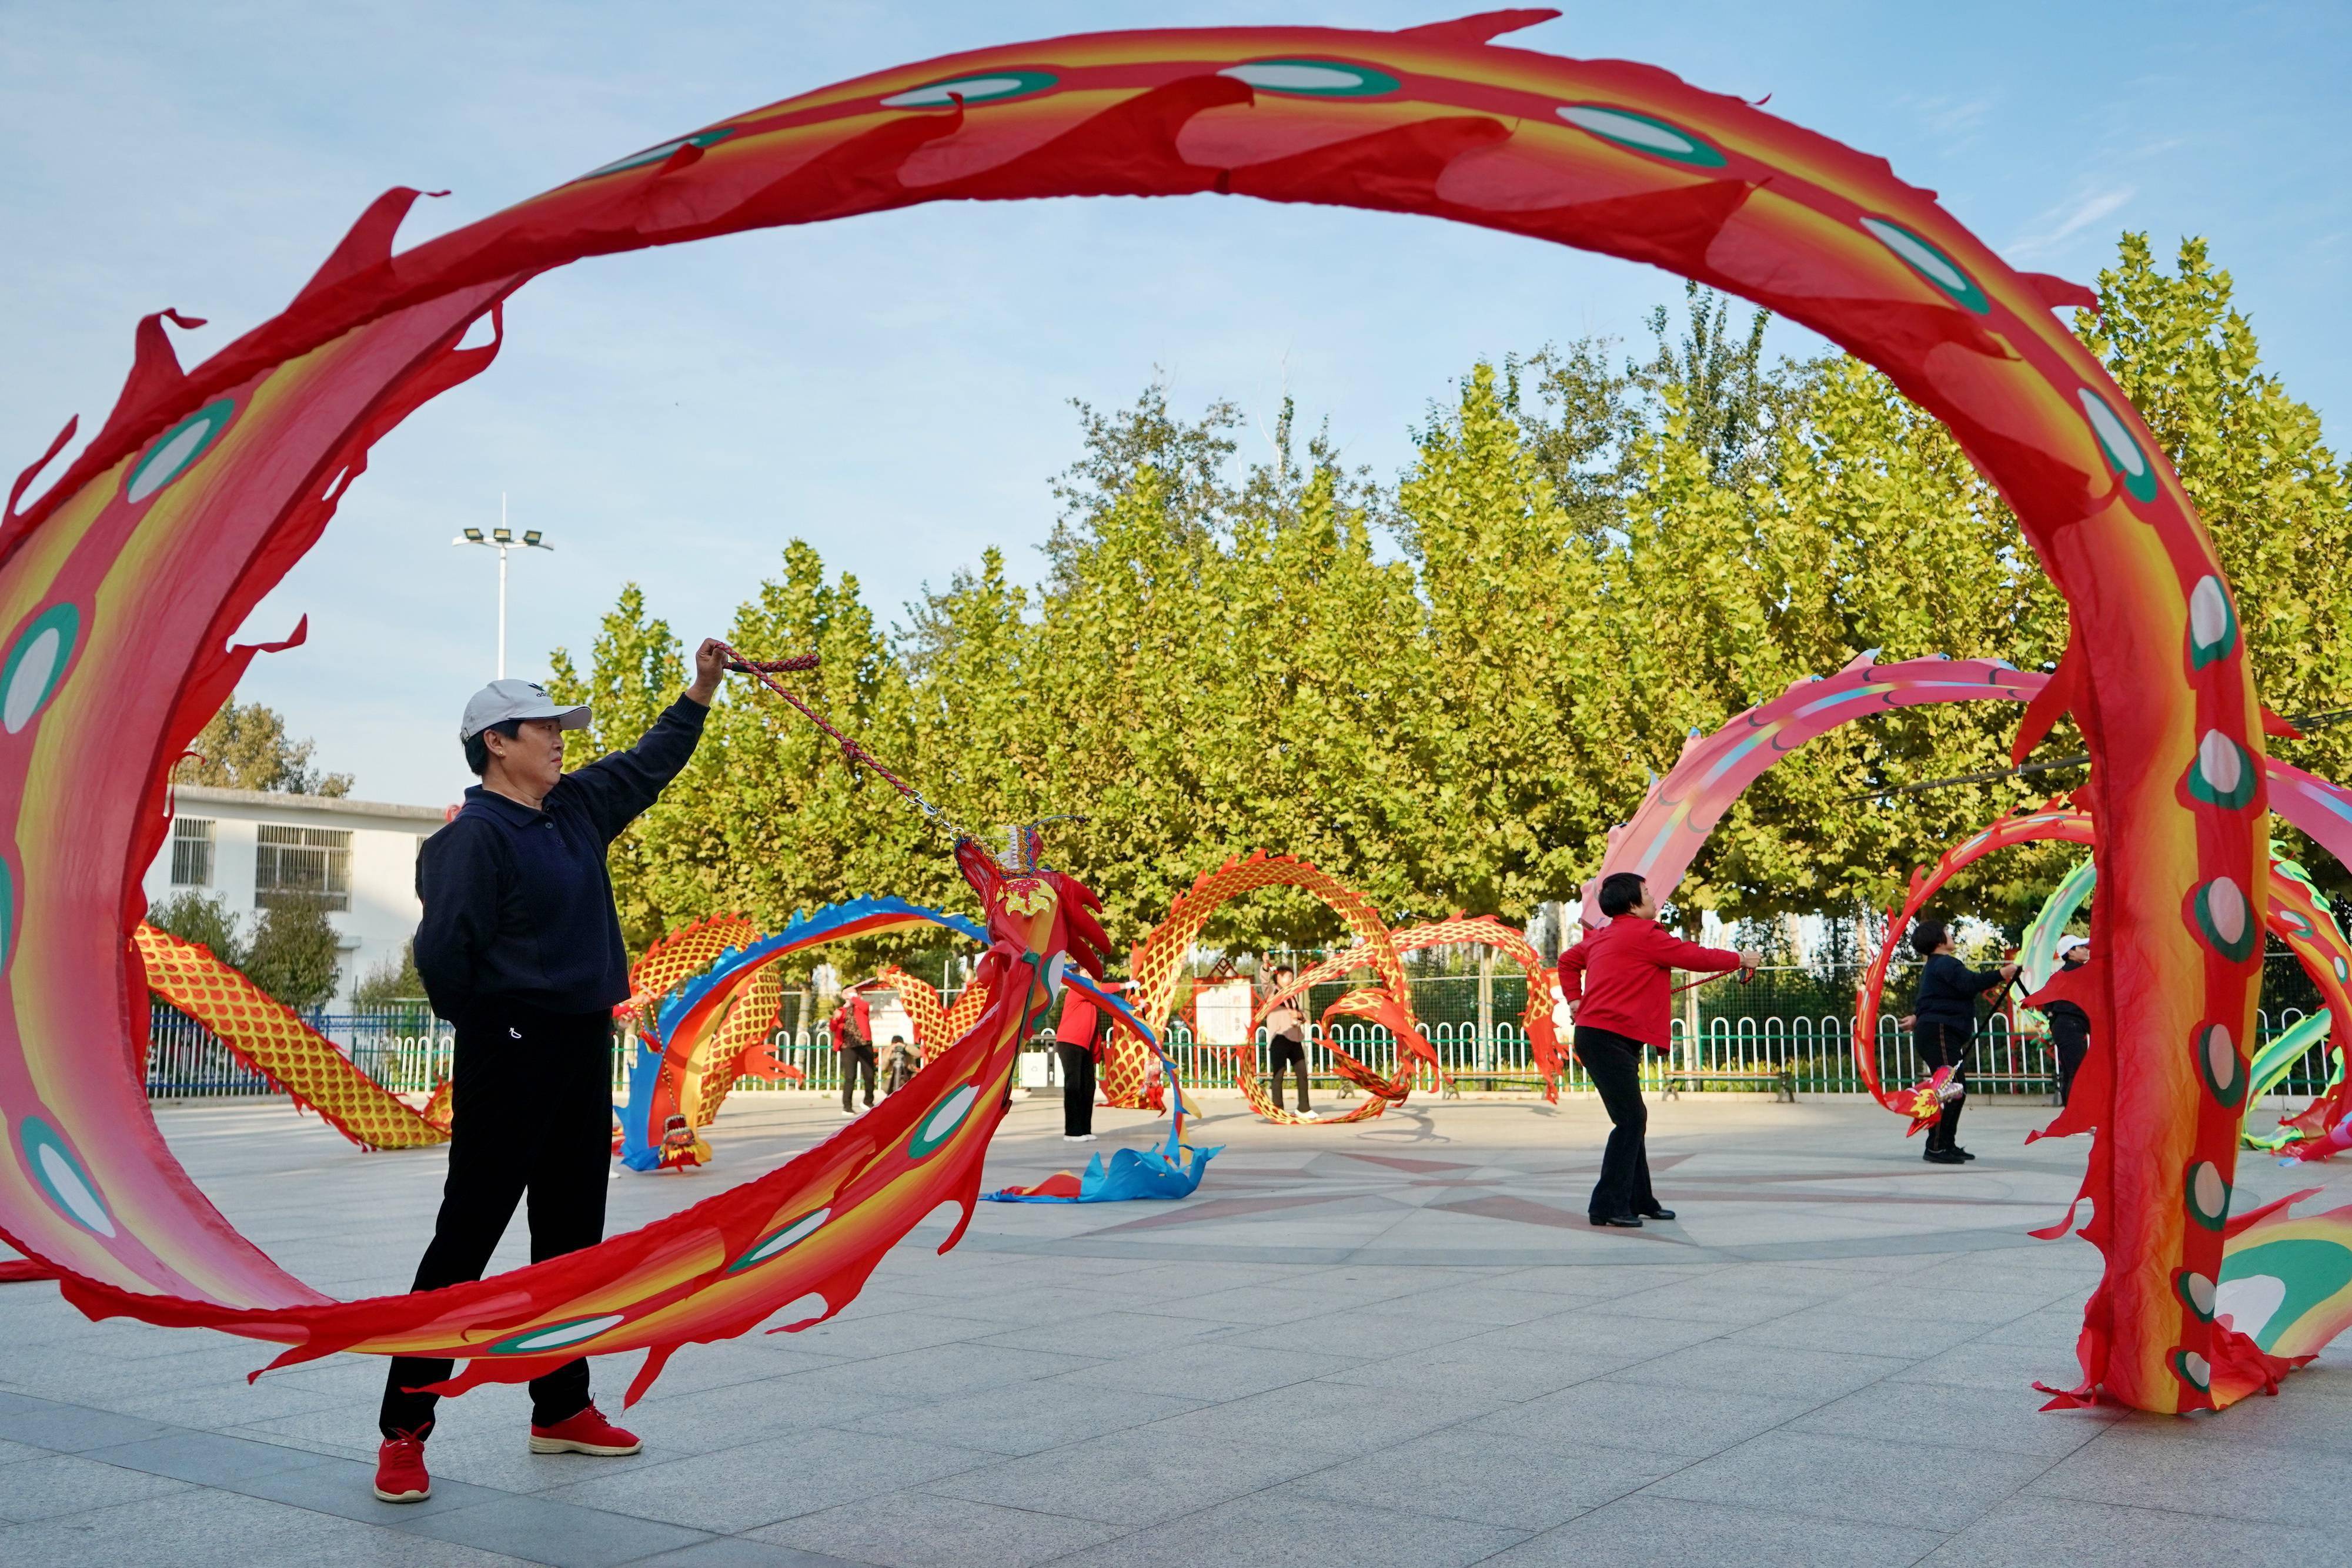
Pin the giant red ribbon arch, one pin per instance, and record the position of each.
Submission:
(121, 584)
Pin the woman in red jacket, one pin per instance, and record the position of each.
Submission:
(1616, 978)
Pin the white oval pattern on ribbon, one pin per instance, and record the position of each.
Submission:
(2249, 1301)
(30, 681)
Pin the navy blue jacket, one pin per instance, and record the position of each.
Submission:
(518, 902)
(1949, 990)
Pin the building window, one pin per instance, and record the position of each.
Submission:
(192, 852)
(293, 864)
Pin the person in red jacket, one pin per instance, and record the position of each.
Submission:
(1616, 980)
(1079, 1040)
(853, 1037)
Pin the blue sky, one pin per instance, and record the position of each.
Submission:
(895, 389)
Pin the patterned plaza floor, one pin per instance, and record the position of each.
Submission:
(1395, 1342)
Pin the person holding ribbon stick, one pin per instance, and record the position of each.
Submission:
(521, 949)
(1943, 1020)
(1617, 980)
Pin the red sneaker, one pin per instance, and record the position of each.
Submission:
(399, 1475)
(586, 1433)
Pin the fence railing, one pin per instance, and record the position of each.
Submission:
(410, 1053)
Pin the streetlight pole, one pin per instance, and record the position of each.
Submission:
(502, 540)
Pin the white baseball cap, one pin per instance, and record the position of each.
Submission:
(503, 700)
(2068, 944)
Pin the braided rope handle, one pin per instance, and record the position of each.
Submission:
(764, 670)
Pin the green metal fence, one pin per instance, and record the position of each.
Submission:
(1787, 1019)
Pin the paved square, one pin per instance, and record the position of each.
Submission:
(1395, 1342)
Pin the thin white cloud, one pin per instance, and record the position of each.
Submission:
(2062, 222)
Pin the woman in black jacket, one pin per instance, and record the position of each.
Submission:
(1943, 1018)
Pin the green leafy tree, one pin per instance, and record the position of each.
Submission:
(1446, 691)
(970, 656)
(1323, 655)
(395, 980)
(767, 819)
(637, 669)
(204, 919)
(244, 747)
(293, 954)
(1521, 738)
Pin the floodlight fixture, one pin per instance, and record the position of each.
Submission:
(502, 540)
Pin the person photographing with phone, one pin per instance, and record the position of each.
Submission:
(1618, 980)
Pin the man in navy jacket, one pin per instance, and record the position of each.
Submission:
(521, 949)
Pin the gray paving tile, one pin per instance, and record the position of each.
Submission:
(932, 1372)
(699, 1368)
(346, 1488)
(740, 1552)
(1601, 1282)
(1941, 1304)
(1868, 1481)
(2051, 1328)
(2006, 1368)
(1249, 1306)
(70, 1429)
(1632, 1415)
(1490, 1306)
(1760, 1369)
(1836, 1327)
(1902, 1409)
(1132, 1478)
(2298, 1417)
(742, 1412)
(1343, 1332)
(1603, 1330)
(236, 1405)
(1462, 1473)
(1670, 1532)
(925, 1529)
(1212, 1368)
(206, 1459)
(1478, 1368)
(193, 1528)
(66, 1483)
(857, 1334)
(2197, 1466)
(1036, 1303)
(2030, 1533)
(539, 1531)
(1024, 1418)
(740, 1489)
(1726, 1304)
(1303, 1531)
(1332, 1417)
(1109, 1335)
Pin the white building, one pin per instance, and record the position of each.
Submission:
(246, 846)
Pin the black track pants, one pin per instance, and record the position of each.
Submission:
(1077, 1090)
(1614, 1062)
(1944, 1045)
(531, 1115)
